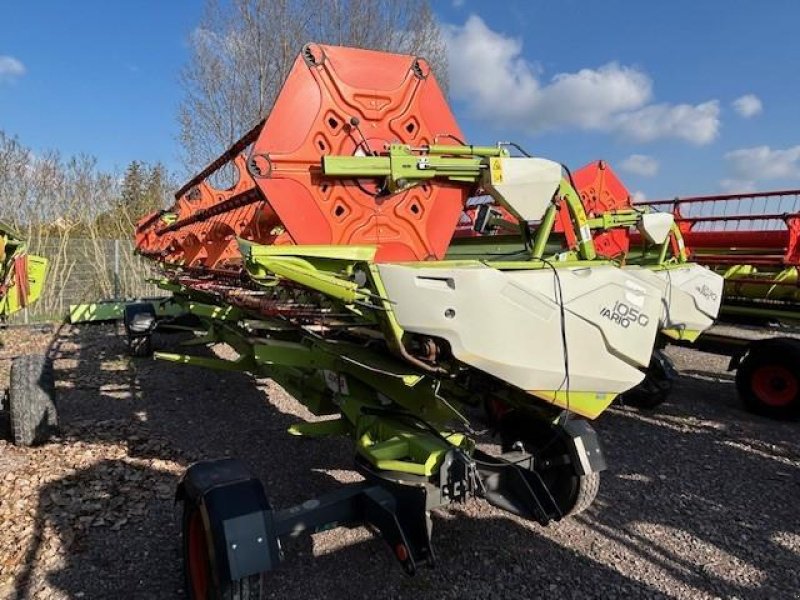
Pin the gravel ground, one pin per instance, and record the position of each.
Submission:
(700, 499)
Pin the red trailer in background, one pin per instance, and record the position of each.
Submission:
(751, 239)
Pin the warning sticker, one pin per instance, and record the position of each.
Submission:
(497, 170)
(336, 382)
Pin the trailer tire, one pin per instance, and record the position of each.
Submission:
(31, 405)
(768, 379)
(140, 346)
(573, 493)
(200, 581)
(656, 386)
(588, 486)
(139, 319)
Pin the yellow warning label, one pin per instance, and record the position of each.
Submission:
(496, 166)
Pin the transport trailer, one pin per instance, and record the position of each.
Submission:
(753, 241)
(331, 267)
(767, 364)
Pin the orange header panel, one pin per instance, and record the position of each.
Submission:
(390, 98)
(601, 191)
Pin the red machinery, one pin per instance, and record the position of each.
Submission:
(752, 240)
(323, 109)
(759, 228)
(601, 191)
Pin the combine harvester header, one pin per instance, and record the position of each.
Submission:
(331, 266)
(753, 241)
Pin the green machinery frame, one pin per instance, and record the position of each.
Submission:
(332, 377)
(409, 419)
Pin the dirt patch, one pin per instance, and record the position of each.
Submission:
(700, 499)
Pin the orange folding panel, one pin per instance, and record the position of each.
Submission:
(391, 98)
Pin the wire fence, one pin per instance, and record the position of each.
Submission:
(86, 270)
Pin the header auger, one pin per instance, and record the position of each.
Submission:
(331, 266)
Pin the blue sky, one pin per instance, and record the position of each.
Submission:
(651, 87)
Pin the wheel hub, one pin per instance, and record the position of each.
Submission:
(775, 385)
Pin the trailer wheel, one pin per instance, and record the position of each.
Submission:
(768, 379)
(139, 320)
(32, 410)
(656, 386)
(548, 443)
(202, 583)
(140, 346)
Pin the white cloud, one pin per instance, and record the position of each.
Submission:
(762, 163)
(640, 164)
(638, 196)
(695, 124)
(489, 73)
(748, 106)
(458, 3)
(10, 69)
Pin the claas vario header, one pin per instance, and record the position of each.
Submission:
(752, 240)
(333, 266)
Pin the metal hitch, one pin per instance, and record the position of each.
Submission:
(245, 531)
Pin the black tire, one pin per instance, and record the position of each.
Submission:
(768, 379)
(647, 395)
(548, 443)
(200, 580)
(140, 345)
(588, 486)
(656, 386)
(31, 404)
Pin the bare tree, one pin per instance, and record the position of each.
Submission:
(76, 215)
(242, 52)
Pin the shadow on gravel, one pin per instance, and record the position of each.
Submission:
(704, 492)
(125, 553)
(159, 411)
(666, 485)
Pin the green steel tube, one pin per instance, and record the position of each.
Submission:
(467, 150)
(356, 166)
(662, 254)
(543, 232)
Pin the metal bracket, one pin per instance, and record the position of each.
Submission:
(584, 447)
(246, 530)
(511, 484)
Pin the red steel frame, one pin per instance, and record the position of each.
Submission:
(335, 101)
(760, 236)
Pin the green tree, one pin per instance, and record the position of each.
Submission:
(145, 188)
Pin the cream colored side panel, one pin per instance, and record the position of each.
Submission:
(508, 323)
(692, 299)
(525, 186)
